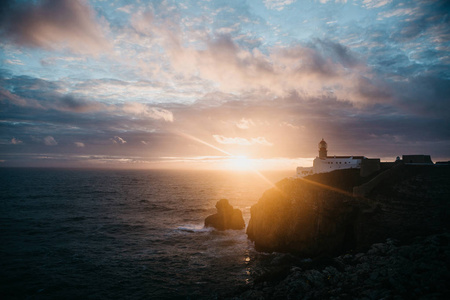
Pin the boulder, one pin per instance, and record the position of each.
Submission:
(226, 217)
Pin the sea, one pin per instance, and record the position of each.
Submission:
(124, 234)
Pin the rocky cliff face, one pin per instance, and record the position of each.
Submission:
(319, 215)
(386, 271)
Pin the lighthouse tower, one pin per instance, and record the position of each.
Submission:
(324, 163)
(323, 149)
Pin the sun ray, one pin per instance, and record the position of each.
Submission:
(202, 142)
(238, 157)
(327, 187)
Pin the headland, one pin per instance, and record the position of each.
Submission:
(383, 235)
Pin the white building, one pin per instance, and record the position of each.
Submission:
(324, 163)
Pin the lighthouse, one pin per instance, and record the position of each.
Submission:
(323, 149)
(324, 163)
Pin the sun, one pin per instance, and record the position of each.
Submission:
(240, 163)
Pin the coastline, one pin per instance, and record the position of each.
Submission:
(387, 270)
(399, 245)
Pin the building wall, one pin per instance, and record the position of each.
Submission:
(330, 164)
(369, 166)
(417, 159)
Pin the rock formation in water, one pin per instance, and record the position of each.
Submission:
(226, 217)
(319, 215)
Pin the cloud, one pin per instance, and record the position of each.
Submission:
(79, 144)
(316, 69)
(54, 24)
(339, 53)
(375, 3)
(425, 95)
(241, 141)
(15, 141)
(50, 141)
(46, 100)
(399, 12)
(144, 110)
(68, 59)
(261, 141)
(245, 123)
(49, 95)
(17, 62)
(14, 99)
(285, 90)
(118, 140)
(426, 21)
(126, 9)
(71, 103)
(336, 1)
(287, 124)
(277, 4)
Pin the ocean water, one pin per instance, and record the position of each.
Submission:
(123, 234)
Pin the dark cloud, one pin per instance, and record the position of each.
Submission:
(382, 130)
(53, 24)
(49, 100)
(431, 18)
(338, 52)
(375, 91)
(70, 103)
(425, 95)
(309, 60)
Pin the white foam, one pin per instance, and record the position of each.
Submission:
(194, 228)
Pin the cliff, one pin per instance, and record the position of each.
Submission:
(319, 215)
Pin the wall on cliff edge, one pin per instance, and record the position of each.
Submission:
(318, 215)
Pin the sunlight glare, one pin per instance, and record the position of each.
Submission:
(240, 163)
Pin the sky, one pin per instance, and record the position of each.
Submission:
(221, 84)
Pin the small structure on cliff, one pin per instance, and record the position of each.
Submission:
(324, 163)
(417, 159)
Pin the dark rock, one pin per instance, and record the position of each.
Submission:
(302, 218)
(226, 217)
(387, 270)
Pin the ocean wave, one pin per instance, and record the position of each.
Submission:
(192, 228)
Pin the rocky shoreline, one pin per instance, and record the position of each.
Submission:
(419, 270)
(390, 240)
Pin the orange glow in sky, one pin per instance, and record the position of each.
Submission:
(149, 84)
